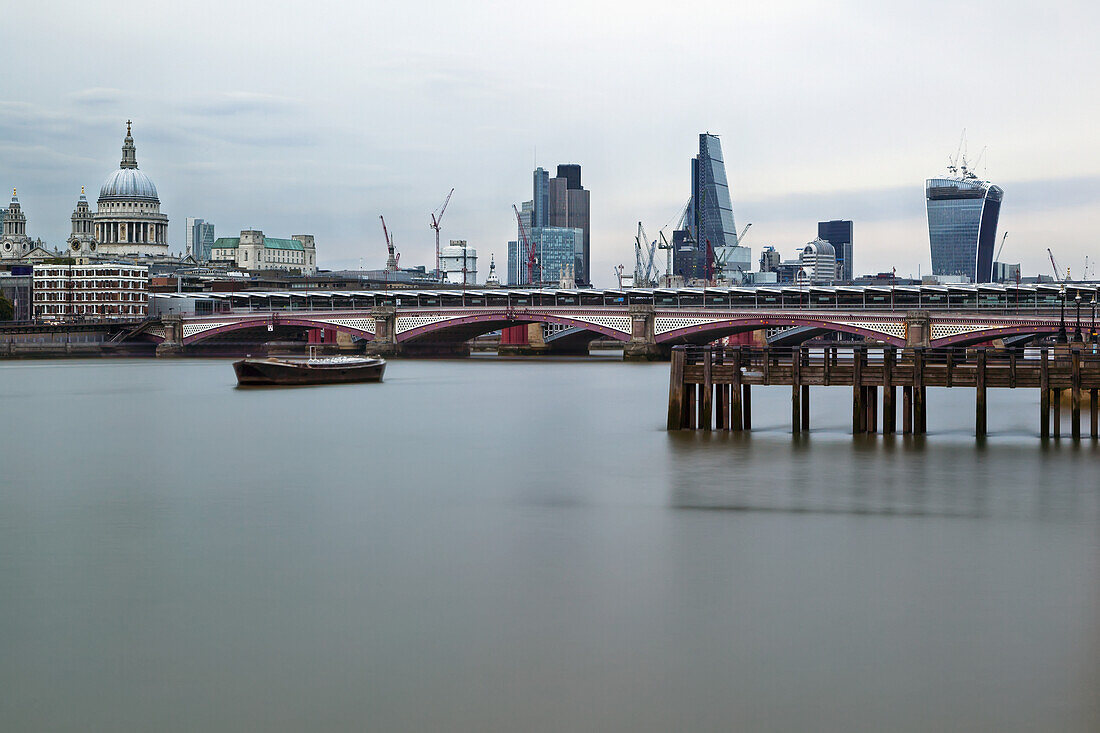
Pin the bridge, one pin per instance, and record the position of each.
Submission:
(649, 322)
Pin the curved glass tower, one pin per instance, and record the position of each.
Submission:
(962, 225)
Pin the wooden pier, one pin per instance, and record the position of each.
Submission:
(711, 387)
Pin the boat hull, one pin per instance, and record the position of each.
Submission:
(270, 372)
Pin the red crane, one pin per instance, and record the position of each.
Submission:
(527, 251)
(436, 219)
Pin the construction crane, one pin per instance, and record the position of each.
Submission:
(644, 254)
(619, 274)
(437, 217)
(998, 257)
(393, 257)
(527, 252)
(667, 247)
(720, 258)
(1057, 272)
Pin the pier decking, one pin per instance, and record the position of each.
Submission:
(710, 386)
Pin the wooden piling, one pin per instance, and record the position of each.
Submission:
(746, 400)
(706, 404)
(1044, 395)
(1094, 412)
(689, 406)
(1075, 394)
(676, 391)
(859, 414)
(907, 410)
(872, 409)
(1056, 397)
(979, 396)
(796, 390)
(889, 411)
(806, 407)
(920, 425)
(736, 422)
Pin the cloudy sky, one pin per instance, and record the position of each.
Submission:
(317, 117)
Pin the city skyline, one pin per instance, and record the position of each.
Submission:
(225, 141)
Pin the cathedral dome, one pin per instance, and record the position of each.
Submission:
(128, 184)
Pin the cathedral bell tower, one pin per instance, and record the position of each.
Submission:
(14, 242)
(82, 240)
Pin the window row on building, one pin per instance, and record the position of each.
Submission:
(106, 290)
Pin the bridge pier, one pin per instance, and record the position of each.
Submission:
(533, 343)
(642, 345)
(918, 329)
(385, 332)
(173, 336)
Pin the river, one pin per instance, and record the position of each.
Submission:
(519, 545)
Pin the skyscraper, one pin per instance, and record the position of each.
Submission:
(200, 239)
(541, 202)
(838, 233)
(709, 218)
(570, 209)
(558, 203)
(962, 224)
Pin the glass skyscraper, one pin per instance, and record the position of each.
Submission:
(839, 234)
(200, 239)
(711, 195)
(709, 216)
(962, 225)
(558, 250)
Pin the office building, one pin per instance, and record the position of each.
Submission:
(839, 234)
(558, 249)
(541, 203)
(1006, 273)
(713, 208)
(688, 260)
(818, 262)
(962, 224)
(254, 251)
(110, 290)
(562, 202)
(200, 239)
(517, 253)
(708, 221)
(16, 285)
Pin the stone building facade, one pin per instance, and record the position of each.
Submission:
(254, 251)
(128, 220)
(91, 291)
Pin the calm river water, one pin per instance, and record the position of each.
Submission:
(495, 545)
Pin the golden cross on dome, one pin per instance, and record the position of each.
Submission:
(127, 127)
(81, 190)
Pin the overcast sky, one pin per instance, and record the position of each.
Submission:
(316, 117)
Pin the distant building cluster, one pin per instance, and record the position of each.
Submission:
(128, 226)
(555, 225)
